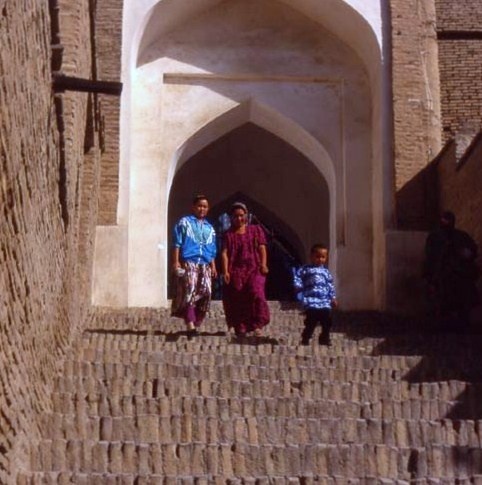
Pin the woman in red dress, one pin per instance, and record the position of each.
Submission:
(244, 268)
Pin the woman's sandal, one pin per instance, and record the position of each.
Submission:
(192, 330)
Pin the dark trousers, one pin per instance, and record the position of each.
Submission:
(315, 317)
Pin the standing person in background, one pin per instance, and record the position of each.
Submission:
(244, 267)
(194, 265)
(451, 273)
(316, 290)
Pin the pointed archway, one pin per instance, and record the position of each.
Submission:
(283, 188)
(304, 146)
(191, 66)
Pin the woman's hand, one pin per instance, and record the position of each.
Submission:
(176, 260)
(214, 271)
(226, 278)
(264, 269)
(175, 266)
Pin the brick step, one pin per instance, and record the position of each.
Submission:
(205, 349)
(261, 378)
(274, 367)
(207, 340)
(236, 367)
(277, 360)
(184, 429)
(435, 346)
(67, 478)
(285, 323)
(333, 390)
(375, 369)
(277, 308)
(101, 405)
(200, 346)
(290, 328)
(354, 323)
(243, 460)
(132, 316)
(212, 384)
(308, 389)
(333, 370)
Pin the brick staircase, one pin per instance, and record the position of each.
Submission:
(140, 403)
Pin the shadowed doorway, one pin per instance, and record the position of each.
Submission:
(281, 187)
(283, 256)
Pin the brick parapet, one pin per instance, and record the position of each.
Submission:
(109, 45)
(42, 303)
(459, 187)
(31, 232)
(77, 39)
(416, 105)
(463, 16)
(460, 66)
(75, 30)
(109, 191)
(461, 85)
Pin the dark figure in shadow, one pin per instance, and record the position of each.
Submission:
(451, 273)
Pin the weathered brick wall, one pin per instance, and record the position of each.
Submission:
(82, 152)
(416, 106)
(461, 85)
(463, 15)
(108, 28)
(459, 187)
(46, 224)
(459, 27)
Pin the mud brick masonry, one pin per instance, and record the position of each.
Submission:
(94, 395)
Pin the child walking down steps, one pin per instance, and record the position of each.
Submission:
(316, 291)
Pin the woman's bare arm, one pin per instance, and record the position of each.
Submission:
(263, 257)
(225, 266)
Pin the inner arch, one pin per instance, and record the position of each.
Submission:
(337, 127)
(284, 189)
(270, 120)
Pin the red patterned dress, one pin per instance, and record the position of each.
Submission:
(244, 297)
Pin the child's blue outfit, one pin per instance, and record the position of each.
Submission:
(316, 290)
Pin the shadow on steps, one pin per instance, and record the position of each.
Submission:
(446, 354)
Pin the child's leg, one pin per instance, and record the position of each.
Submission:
(326, 322)
(311, 321)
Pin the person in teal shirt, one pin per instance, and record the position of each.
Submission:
(194, 265)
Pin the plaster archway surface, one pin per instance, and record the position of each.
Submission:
(268, 119)
(357, 23)
(298, 138)
(148, 120)
(268, 168)
(284, 129)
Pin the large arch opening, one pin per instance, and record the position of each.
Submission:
(280, 185)
(295, 70)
